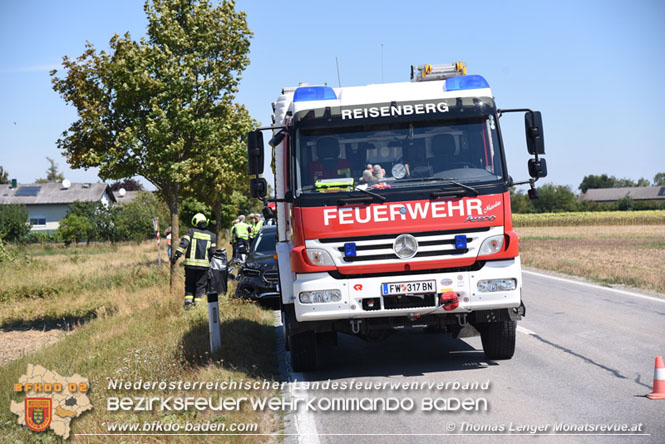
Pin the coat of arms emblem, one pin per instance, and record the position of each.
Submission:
(38, 413)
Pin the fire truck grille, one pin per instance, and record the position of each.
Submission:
(431, 245)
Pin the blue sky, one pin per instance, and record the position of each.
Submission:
(595, 69)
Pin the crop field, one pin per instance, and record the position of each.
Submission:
(650, 217)
(629, 255)
(106, 312)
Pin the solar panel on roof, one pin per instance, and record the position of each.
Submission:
(661, 192)
(27, 191)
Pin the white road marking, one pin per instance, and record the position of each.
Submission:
(526, 331)
(598, 287)
(304, 419)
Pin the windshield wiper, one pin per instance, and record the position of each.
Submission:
(371, 193)
(450, 180)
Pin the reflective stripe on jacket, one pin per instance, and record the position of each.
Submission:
(197, 246)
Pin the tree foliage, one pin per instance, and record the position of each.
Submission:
(134, 219)
(605, 181)
(74, 228)
(157, 106)
(128, 184)
(659, 180)
(52, 173)
(14, 224)
(4, 176)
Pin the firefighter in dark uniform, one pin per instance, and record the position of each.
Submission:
(198, 246)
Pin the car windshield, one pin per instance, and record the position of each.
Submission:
(398, 155)
(265, 243)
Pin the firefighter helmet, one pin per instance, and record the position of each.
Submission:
(198, 218)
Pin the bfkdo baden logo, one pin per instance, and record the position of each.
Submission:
(38, 413)
(51, 401)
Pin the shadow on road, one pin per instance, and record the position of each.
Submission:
(405, 354)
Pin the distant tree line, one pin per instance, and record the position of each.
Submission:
(560, 198)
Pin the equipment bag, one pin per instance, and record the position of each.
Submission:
(218, 273)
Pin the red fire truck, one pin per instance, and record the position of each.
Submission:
(393, 210)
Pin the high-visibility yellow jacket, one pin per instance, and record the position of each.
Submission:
(198, 246)
(241, 230)
(256, 227)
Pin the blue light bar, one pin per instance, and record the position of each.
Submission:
(310, 93)
(350, 249)
(460, 241)
(466, 82)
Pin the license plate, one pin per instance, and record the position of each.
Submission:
(413, 287)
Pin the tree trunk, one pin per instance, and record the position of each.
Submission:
(218, 218)
(172, 201)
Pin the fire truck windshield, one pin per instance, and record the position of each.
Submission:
(398, 155)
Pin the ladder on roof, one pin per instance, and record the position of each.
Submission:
(422, 73)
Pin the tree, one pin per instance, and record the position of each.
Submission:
(4, 176)
(222, 169)
(148, 108)
(52, 173)
(102, 220)
(74, 228)
(659, 180)
(554, 198)
(134, 219)
(642, 182)
(14, 224)
(127, 184)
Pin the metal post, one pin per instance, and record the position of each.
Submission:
(213, 322)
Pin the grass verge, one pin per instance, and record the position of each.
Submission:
(144, 335)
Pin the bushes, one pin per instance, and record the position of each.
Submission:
(14, 225)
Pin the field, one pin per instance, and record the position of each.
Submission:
(106, 312)
(617, 248)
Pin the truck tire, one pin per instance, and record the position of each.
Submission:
(498, 339)
(303, 351)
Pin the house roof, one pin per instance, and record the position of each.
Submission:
(614, 194)
(128, 197)
(53, 193)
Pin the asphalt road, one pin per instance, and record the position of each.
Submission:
(584, 358)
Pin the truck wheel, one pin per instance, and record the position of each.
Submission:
(498, 339)
(303, 351)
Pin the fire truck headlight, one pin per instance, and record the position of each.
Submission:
(320, 296)
(319, 257)
(490, 285)
(491, 245)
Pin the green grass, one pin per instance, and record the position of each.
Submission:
(129, 326)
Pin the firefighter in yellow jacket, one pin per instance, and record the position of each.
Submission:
(198, 246)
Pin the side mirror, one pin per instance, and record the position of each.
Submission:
(268, 213)
(258, 187)
(533, 123)
(255, 152)
(537, 168)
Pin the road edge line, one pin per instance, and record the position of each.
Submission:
(599, 287)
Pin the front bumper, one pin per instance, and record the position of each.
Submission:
(357, 292)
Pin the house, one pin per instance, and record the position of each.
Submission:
(125, 197)
(47, 203)
(609, 195)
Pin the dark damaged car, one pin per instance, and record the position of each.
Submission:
(259, 279)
